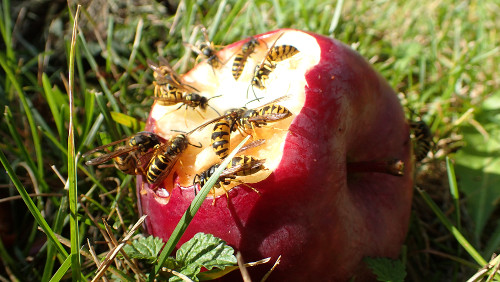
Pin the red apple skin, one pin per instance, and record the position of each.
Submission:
(321, 219)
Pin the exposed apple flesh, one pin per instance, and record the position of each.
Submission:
(321, 205)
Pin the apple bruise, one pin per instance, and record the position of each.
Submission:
(285, 80)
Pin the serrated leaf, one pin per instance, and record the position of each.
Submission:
(171, 263)
(144, 249)
(387, 269)
(203, 250)
(206, 250)
(215, 273)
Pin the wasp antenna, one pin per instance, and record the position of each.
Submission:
(214, 110)
(255, 95)
(257, 99)
(214, 97)
(199, 146)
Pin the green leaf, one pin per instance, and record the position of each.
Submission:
(207, 250)
(387, 269)
(145, 249)
(128, 121)
(216, 273)
(478, 165)
(203, 250)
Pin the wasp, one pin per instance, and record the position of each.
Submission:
(274, 55)
(241, 58)
(166, 155)
(422, 139)
(169, 90)
(238, 166)
(127, 157)
(260, 116)
(243, 119)
(207, 50)
(221, 134)
(168, 83)
(270, 112)
(192, 100)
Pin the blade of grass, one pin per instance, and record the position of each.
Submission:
(29, 116)
(17, 138)
(93, 65)
(215, 24)
(53, 105)
(111, 126)
(31, 206)
(109, 41)
(191, 211)
(51, 251)
(136, 44)
(336, 17)
(61, 271)
(455, 232)
(6, 29)
(71, 183)
(90, 136)
(452, 180)
(278, 13)
(230, 18)
(7, 259)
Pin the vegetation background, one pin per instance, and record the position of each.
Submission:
(441, 56)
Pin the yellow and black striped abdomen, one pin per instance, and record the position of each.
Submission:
(126, 163)
(273, 109)
(238, 65)
(282, 52)
(221, 138)
(241, 58)
(168, 95)
(158, 165)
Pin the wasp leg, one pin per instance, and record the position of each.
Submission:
(255, 136)
(199, 113)
(165, 114)
(213, 193)
(243, 183)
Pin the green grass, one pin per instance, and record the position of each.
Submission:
(442, 56)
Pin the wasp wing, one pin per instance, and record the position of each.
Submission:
(102, 147)
(106, 157)
(269, 50)
(236, 168)
(208, 123)
(252, 144)
(268, 117)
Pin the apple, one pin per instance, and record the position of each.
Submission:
(337, 183)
